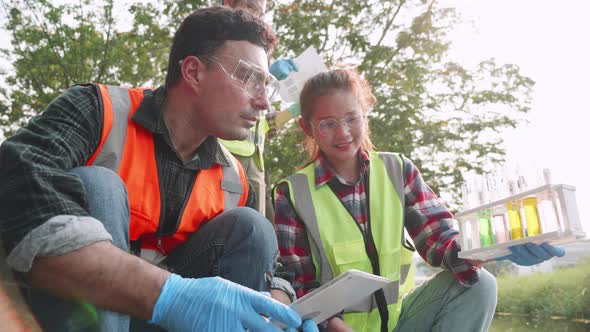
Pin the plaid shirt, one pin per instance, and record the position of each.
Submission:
(427, 220)
(34, 162)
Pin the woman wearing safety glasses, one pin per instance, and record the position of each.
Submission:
(347, 209)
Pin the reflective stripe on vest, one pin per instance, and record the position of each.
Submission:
(337, 244)
(253, 145)
(128, 149)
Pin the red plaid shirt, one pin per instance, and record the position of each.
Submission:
(427, 220)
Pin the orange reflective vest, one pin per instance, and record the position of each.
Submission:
(128, 149)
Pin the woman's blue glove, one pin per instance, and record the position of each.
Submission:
(281, 68)
(532, 254)
(216, 304)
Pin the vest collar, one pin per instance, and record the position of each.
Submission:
(149, 116)
(324, 172)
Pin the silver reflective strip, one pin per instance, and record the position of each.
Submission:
(231, 183)
(305, 209)
(396, 176)
(395, 173)
(112, 151)
(404, 271)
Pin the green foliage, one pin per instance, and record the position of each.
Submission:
(56, 46)
(565, 292)
(443, 116)
(501, 268)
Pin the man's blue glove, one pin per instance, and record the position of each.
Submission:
(216, 304)
(532, 254)
(294, 110)
(281, 68)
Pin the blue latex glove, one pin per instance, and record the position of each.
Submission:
(281, 68)
(532, 254)
(216, 304)
(294, 110)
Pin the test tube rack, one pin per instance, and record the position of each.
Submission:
(559, 221)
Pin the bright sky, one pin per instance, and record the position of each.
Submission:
(550, 41)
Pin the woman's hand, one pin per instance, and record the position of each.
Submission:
(336, 324)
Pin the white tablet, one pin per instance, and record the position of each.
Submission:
(346, 290)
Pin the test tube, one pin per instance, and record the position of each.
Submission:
(531, 216)
(475, 240)
(513, 211)
(499, 223)
(485, 228)
(547, 208)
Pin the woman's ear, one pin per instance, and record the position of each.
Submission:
(304, 125)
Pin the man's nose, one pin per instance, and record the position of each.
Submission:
(261, 102)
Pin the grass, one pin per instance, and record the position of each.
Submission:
(564, 292)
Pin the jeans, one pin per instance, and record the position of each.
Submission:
(443, 304)
(239, 245)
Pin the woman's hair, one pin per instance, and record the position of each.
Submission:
(333, 81)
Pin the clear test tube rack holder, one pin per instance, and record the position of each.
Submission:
(563, 201)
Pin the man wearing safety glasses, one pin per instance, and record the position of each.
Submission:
(106, 174)
(250, 150)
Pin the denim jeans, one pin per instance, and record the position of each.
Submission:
(443, 304)
(239, 245)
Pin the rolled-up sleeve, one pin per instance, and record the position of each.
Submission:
(58, 236)
(38, 195)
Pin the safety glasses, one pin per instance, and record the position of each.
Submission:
(329, 126)
(251, 78)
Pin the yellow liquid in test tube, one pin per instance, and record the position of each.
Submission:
(514, 221)
(532, 216)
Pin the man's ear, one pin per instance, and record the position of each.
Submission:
(305, 126)
(228, 3)
(192, 70)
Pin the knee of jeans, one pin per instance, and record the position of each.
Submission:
(485, 291)
(259, 231)
(102, 179)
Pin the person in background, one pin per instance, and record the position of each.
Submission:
(347, 208)
(250, 152)
(107, 172)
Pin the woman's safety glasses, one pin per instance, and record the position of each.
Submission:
(329, 126)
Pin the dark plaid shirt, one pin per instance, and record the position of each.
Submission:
(33, 163)
(426, 219)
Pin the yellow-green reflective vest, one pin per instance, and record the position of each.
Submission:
(253, 145)
(338, 245)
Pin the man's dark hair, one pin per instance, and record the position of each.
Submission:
(203, 32)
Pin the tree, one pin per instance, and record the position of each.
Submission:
(443, 116)
(56, 46)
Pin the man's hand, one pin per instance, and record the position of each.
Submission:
(216, 304)
(281, 68)
(531, 254)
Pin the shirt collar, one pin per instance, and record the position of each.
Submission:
(324, 172)
(149, 116)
